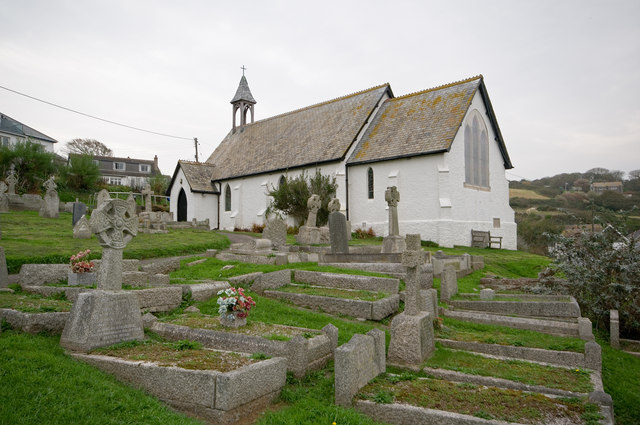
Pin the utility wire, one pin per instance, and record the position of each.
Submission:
(96, 118)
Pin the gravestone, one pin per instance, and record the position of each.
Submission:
(51, 206)
(4, 199)
(614, 327)
(4, 274)
(82, 230)
(147, 192)
(309, 233)
(11, 180)
(393, 242)
(102, 197)
(412, 337)
(107, 315)
(448, 283)
(79, 210)
(338, 233)
(276, 231)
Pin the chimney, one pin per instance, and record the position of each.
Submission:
(155, 162)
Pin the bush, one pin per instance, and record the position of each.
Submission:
(33, 165)
(257, 228)
(363, 234)
(82, 174)
(602, 272)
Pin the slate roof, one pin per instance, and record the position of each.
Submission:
(315, 134)
(416, 124)
(243, 92)
(198, 176)
(9, 125)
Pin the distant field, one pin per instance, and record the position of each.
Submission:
(525, 193)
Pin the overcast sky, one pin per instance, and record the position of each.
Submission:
(563, 76)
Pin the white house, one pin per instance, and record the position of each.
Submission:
(442, 148)
(13, 131)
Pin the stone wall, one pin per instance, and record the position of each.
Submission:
(358, 362)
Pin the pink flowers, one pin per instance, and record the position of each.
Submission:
(234, 303)
(79, 263)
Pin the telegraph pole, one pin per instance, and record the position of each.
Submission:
(195, 142)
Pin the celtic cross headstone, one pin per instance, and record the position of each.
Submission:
(114, 224)
(313, 203)
(12, 179)
(147, 192)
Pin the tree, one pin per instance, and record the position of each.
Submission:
(33, 165)
(159, 184)
(602, 271)
(634, 174)
(88, 147)
(82, 174)
(290, 197)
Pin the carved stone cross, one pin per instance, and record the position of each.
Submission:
(114, 223)
(12, 179)
(313, 203)
(50, 185)
(392, 196)
(334, 205)
(147, 192)
(412, 258)
(3, 187)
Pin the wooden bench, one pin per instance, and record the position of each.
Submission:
(482, 239)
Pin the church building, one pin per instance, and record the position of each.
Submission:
(442, 148)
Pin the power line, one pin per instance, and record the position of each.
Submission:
(96, 118)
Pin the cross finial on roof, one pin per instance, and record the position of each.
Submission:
(243, 69)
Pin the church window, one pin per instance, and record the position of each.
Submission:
(227, 198)
(476, 151)
(370, 182)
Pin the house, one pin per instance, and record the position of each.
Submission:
(442, 148)
(13, 131)
(600, 187)
(126, 171)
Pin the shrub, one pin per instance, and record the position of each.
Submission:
(360, 233)
(257, 228)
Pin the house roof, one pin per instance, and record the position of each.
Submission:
(198, 176)
(422, 123)
(9, 125)
(312, 135)
(243, 92)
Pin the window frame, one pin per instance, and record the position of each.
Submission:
(115, 166)
(227, 198)
(370, 183)
(476, 152)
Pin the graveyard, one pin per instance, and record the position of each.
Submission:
(319, 329)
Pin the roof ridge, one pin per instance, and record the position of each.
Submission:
(194, 162)
(444, 86)
(326, 102)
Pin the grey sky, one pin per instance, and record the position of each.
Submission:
(563, 76)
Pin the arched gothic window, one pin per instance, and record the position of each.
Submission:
(476, 151)
(370, 182)
(227, 198)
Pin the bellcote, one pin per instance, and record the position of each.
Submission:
(243, 101)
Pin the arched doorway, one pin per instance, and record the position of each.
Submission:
(182, 206)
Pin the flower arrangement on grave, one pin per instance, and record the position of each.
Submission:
(234, 303)
(80, 262)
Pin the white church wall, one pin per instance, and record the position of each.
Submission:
(249, 199)
(200, 206)
(433, 198)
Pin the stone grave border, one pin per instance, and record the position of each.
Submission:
(302, 354)
(33, 323)
(558, 309)
(221, 397)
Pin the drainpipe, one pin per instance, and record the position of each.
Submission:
(346, 182)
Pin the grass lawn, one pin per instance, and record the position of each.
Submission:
(28, 238)
(576, 380)
(41, 385)
(459, 330)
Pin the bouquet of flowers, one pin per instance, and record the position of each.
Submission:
(80, 263)
(233, 303)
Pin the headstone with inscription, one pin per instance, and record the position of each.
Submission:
(51, 206)
(412, 337)
(338, 236)
(79, 210)
(276, 231)
(393, 242)
(107, 315)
